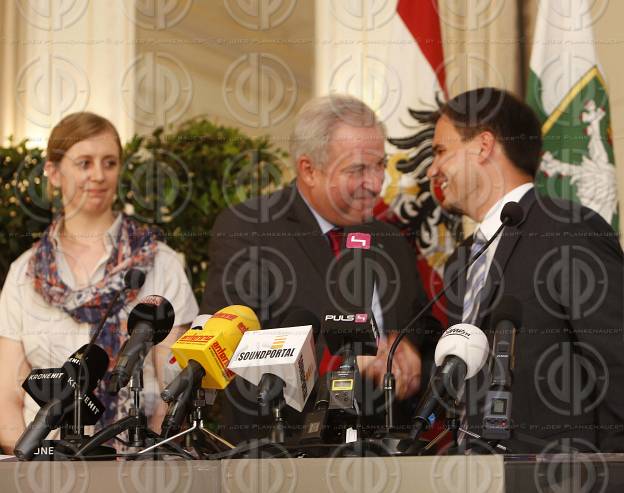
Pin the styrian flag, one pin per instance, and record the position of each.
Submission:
(568, 91)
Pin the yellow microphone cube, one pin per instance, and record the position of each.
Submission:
(213, 345)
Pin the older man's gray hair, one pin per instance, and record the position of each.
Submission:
(319, 117)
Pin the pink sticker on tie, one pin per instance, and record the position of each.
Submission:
(361, 318)
(359, 240)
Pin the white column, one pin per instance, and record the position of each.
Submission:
(61, 57)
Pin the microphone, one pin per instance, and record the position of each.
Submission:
(149, 322)
(210, 348)
(287, 353)
(189, 381)
(200, 320)
(359, 331)
(204, 354)
(171, 371)
(133, 279)
(336, 390)
(511, 215)
(53, 390)
(315, 423)
(355, 267)
(497, 415)
(460, 354)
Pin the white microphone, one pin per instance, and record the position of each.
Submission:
(200, 320)
(287, 353)
(460, 354)
(468, 343)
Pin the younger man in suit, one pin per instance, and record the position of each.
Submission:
(562, 265)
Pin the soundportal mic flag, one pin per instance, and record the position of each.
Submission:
(285, 352)
(568, 92)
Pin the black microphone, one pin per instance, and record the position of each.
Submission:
(511, 215)
(355, 268)
(315, 420)
(55, 406)
(497, 412)
(180, 404)
(133, 279)
(149, 323)
(192, 372)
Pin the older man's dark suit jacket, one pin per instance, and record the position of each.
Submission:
(278, 237)
(564, 266)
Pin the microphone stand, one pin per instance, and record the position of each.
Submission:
(197, 430)
(133, 279)
(78, 429)
(271, 402)
(139, 435)
(389, 380)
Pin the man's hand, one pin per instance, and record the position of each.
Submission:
(406, 366)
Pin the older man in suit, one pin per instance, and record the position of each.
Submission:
(277, 252)
(562, 265)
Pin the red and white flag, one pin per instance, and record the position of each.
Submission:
(390, 55)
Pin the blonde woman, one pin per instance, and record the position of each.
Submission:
(56, 293)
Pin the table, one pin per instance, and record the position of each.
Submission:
(481, 474)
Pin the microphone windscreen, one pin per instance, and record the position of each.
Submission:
(512, 214)
(134, 279)
(213, 345)
(200, 320)
(157, 312)
(508, 308)
(466, 342)
(94, 363)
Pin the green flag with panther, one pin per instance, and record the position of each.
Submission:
(568, 92)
